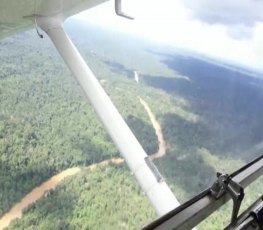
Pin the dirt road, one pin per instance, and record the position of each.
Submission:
(158, 130)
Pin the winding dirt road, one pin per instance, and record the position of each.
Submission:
(34, 195)
(52, 183)
(17, 210)
(158, 131)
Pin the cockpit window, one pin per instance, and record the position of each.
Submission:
(186, 76)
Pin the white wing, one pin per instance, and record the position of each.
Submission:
(18, 15)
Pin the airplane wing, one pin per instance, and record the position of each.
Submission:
(19, 15)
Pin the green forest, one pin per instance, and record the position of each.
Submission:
(210, 117)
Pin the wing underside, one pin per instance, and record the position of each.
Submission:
(19, 15)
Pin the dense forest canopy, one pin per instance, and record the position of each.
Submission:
(210, 115)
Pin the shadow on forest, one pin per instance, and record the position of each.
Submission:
(183, 166)
(119, 68)
(91, 152)
(95, 152)
(184, 134)
(227, 101)
(145, 134)
(188, 172)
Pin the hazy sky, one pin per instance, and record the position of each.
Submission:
(228, 29)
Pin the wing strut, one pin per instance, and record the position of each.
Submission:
(159, 194)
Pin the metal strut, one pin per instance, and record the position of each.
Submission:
(158, 192)
(225, 184)
(191, 213)
(250, 219)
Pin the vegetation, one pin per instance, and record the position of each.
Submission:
(101, 200)
(46, 125)
(210, 116)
